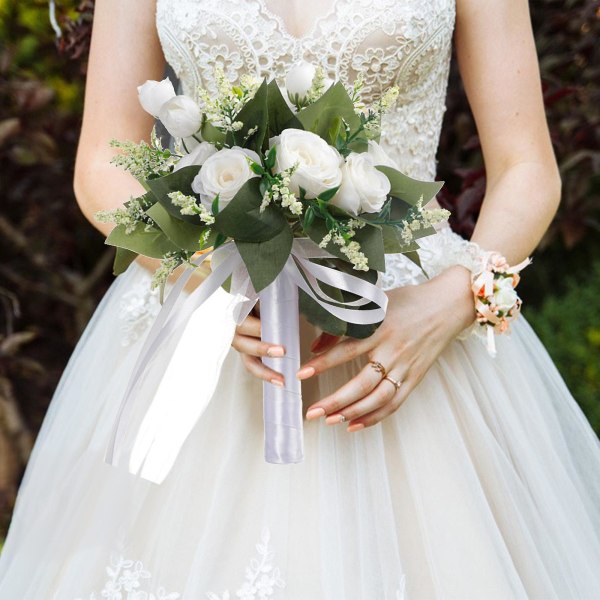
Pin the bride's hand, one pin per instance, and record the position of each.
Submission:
(247, 341)
(421, 320)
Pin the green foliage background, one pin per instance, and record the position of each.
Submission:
(55, 266)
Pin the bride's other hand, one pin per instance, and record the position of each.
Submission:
(421, 320)
(247, 341)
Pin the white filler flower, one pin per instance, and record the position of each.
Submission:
(318, 165)
(224, 173)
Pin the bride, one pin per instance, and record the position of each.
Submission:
(474, 477)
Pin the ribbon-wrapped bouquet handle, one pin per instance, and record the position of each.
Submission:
(296, 205)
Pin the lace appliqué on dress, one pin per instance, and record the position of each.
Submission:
(128, 580)
(262, 577)
(138, 308)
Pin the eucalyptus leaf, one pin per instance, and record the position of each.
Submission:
(185, 235)
(320, 317)
(178, 181)
(123, 258)
(242, 220)
(265, 260)
(253, 114)
(153, 242)
(321, 116)
(280, 114)
(408, 189)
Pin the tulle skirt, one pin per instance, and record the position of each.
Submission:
(484, 484)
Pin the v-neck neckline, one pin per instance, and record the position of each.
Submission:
(309, 34)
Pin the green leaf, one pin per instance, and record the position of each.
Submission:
(178, 181)
(153, 243)
(408, 189)
(254, 114)
(320, 317)
(323, 114)
(265, 260)
(123, 258)
(328, 194)
(280, 114)
(242, 220)
(211, 134)
(185, 235)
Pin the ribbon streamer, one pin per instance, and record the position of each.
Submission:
(150, 428)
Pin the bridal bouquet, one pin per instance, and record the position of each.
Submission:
(293, 199)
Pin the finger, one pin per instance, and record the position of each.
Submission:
(249, 326)
(374, 417)
(256, 347)
(257, 368)
(359, 387)
(324, 342)
(342, 352)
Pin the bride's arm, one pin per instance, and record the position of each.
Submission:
(499, 68)
(125, 52)
(498, 63)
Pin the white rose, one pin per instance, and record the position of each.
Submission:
(380, 156)
(198, 156)
(153, 94)
(364, 188)
(224, 173)
(319, 164)
(505, 296)
(181, 116)
(298, 80)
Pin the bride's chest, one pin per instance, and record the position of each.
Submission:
(402, 42)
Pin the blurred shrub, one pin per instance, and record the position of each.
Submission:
(569, 325)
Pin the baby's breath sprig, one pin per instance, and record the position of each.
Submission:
(317, 87)
(341, 234)
(128, 215)
(170, 261)
(222, 109)
(189, 206)
(143, 160)
(420, 218)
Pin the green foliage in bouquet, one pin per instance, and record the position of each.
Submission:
(253, 130)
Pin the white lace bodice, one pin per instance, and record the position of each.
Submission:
(393, 42)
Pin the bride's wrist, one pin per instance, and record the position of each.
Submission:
(457, 304)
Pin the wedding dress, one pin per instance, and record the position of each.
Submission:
(485, 484)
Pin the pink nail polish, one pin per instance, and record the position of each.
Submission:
(305, 372)
(314, 412)
(277, 382)
(333, 419)
(355, 427)
(276, 351)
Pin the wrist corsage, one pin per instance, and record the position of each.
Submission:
(493, 282)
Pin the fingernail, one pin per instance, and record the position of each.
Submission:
(305, 372)
(314, 413)
(355, 427)
(277, 382)
(275, 351)
(333, 419)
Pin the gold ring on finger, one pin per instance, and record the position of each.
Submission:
(378, 367)
(396, 383)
